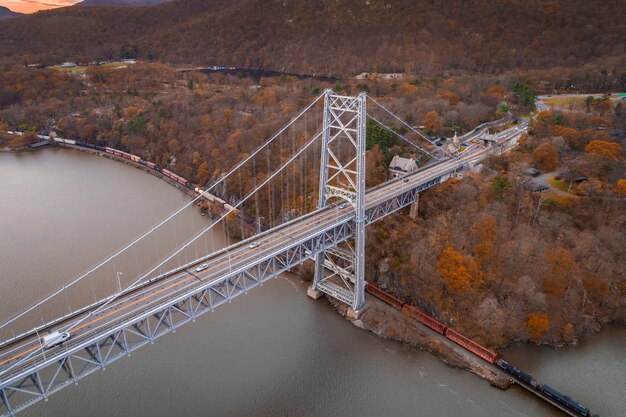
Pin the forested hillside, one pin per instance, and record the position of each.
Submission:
(121, 3)
(6, 13)
(330, 37)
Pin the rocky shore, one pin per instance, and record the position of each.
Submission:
(389, 323)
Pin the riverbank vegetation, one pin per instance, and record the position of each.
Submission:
(503, 263)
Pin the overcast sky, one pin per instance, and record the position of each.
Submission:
(30, 6)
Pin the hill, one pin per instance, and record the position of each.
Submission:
(121, 3)
(6, 13)
(329, 37)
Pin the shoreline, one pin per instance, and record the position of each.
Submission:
(388, 323)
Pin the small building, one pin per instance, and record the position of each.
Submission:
(489, 138)
(532, 172)
(401, 166)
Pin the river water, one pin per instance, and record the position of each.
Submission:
(273, 352)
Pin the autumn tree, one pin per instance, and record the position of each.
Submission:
(561, 263)
(451, 97)
(620, 187)
(537, 324)
(432, 122)
(29, 138)
(546, 157)
(461, 274)
(203, 173)
(17, 142)
(375, 166)
(572, 136)
(610, 150)
(485, 230)
(496, 92)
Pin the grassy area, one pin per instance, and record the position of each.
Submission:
(558, 200)
(561, 185)
(567, 103)
(83, 68)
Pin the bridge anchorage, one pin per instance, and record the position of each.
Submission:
(339, 271)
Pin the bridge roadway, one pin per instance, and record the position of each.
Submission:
(19, 358)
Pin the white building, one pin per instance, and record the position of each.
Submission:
(399, 166)
(454, 145)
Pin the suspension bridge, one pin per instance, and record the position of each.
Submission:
(323, 223)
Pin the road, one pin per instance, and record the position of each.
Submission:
(25, 353)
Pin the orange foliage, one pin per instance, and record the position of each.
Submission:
(609, 150)
(537, 324)
(432, 121)
(561, 264)
(546, 157)
(620, 187)
(486, 228)
(452, 98)
(407, 89)
(497, 92)
(460, 273)
(203, 173)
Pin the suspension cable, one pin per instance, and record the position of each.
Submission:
(206, 229)
(420, 134)
(419, 148)
(168, 218)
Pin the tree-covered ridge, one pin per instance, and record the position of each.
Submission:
(320, 37)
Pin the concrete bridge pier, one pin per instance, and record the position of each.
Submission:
(314, 294)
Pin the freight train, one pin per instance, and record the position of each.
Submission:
(151, 165)
(130, 157)
(562, 399)
(480, 351)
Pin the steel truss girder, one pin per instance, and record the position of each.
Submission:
(398, 201)
(24, 388)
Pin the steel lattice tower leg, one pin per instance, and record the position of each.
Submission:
(339, 272)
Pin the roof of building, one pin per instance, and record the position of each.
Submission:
(402, 164)
(535, 187)
(532, 171)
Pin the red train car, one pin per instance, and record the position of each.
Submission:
(175, 177)
(425, 319)
(382, 295)
(478, 350)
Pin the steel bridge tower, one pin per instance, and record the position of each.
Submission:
(339, 271)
